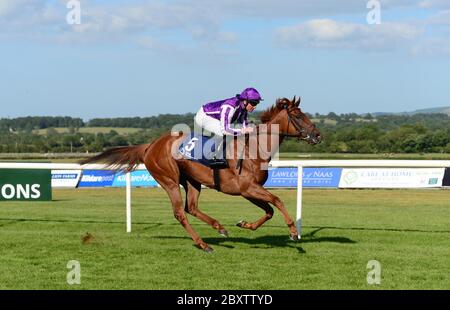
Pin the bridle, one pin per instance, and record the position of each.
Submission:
(303, 133)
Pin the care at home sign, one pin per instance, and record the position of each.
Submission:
(392, 177)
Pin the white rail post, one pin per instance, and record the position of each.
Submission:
(299, 199)
(128, 198)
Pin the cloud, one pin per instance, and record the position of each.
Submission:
(11, 7)
(134, 18)
(202, 21)
(327, 33)
(28, 16)
(45, 21)
(441, 18)
(278, 9)
(274, 9)
(434, 4)
(151, 43)
(141, 15)
(432, 47)
(206, 34)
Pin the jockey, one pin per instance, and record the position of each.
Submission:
(217, 117)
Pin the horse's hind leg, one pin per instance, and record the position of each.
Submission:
(173, 189)
(160, 162)
(193, 190)
(263, 205)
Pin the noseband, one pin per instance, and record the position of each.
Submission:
(300, 130)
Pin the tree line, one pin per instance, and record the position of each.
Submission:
(31, 123)
(344, 133)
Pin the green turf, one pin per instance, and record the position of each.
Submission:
(407, 231)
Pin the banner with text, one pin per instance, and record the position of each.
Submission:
(24, 184)
(312, 177)
(65, 178)
(97, 178)
(391, 177)
(139, 178)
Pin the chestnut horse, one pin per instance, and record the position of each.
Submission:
(285, 119)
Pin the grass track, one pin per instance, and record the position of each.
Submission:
(407, 231)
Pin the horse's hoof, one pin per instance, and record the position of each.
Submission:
(241, 223)
(208, 249)
(294, 238)
(224, 233)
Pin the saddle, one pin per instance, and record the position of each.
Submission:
(203, 150)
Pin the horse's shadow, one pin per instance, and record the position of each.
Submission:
(272, 241)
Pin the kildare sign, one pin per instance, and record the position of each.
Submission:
(33, 185)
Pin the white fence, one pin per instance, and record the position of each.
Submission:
(300, 164)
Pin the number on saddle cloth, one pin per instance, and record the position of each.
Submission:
(201, 148)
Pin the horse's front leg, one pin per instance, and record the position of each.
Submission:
(256, 191)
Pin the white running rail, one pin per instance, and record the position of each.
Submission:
(300, 164)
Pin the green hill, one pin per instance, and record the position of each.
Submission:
(439, 110)
(444, 110)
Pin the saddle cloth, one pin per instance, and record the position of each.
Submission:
(199, 148)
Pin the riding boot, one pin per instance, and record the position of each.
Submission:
(219, 156)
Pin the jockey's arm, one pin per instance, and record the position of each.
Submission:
(246, 128)
(226, 115)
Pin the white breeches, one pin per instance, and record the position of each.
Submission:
(206, 122)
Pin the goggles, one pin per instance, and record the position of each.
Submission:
(253, 102)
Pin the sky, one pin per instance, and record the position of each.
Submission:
(145, 57)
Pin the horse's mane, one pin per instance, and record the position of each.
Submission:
(273, 110)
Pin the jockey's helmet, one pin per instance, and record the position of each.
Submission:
(251, 95)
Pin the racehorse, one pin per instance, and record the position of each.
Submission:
(284, 119)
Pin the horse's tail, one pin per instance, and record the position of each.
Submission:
(125, 158)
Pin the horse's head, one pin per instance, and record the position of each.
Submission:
(292, 121)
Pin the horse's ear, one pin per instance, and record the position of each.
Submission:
(297, 103)
(293, 100)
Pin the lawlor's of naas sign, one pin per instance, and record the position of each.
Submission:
(32, 185)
